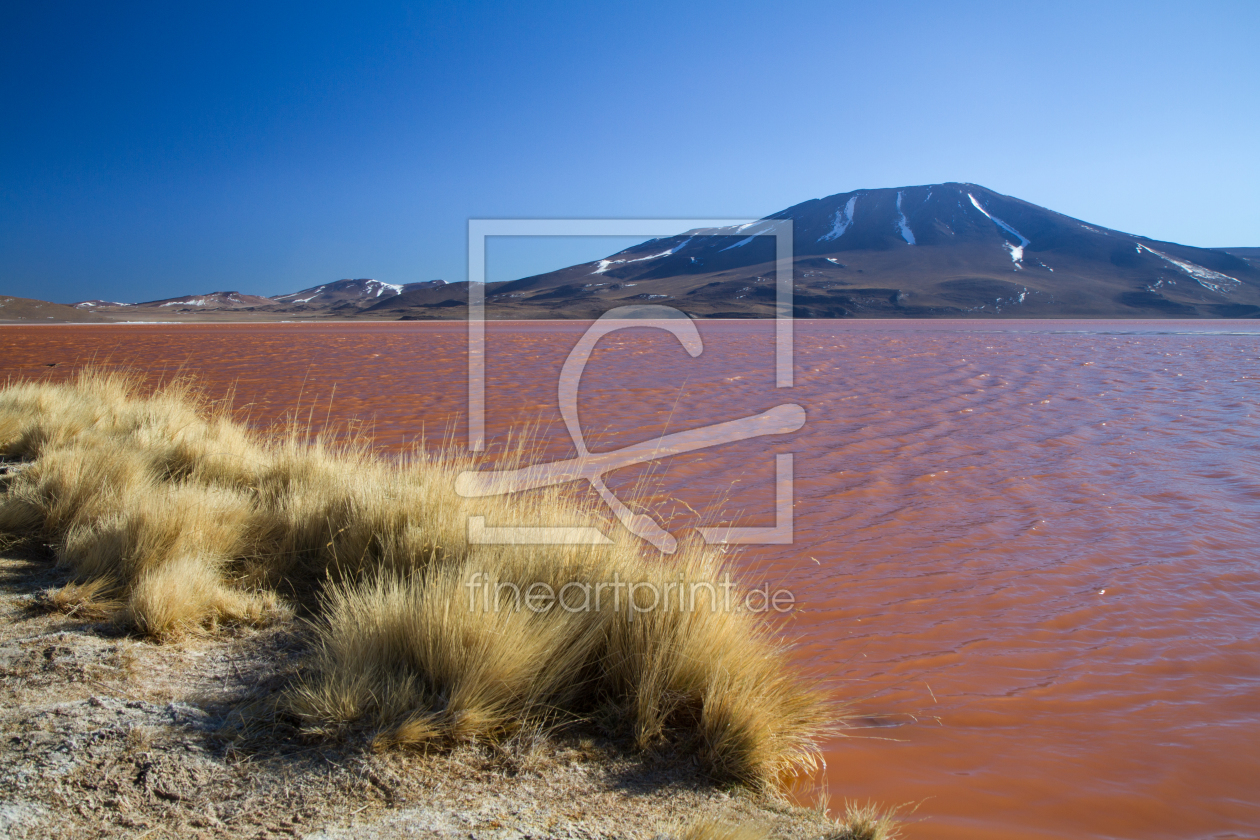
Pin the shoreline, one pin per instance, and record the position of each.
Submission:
(185, 597)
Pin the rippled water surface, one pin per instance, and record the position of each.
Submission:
(1028, 551)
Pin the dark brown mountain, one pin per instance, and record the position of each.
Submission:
(938, 251)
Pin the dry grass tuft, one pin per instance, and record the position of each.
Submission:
(714, 829)
(174, 519)
(85, 600)
(867, 822)
(138, 739)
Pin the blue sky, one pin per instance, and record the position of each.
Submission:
(150, 150)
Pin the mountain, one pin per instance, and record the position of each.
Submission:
(941, 250)
(420, 300)
(343, 297)
(349, 294)
(342, 291)
(212, 302)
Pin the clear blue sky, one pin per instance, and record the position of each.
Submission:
(148, 150)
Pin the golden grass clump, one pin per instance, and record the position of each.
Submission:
(85, 600)
(716, 829)
(173, 518)
(867, 822)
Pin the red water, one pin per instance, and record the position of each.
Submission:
(1026, 550)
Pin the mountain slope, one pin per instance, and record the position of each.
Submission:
(1251, 255)
(941, 250)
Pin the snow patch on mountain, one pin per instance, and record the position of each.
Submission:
(1207, 278)
(673, 250)
(679, 246)
(844, 218)
(314, 295)
(903, 224)
(741, 243)
(1017, 251)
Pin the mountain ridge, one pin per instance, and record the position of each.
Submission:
(950, 250)
(344, 297)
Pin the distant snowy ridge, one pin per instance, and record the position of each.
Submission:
(343, 290)
(92, 304)
(208, 300)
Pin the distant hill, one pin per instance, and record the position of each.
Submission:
(27, 310)
(936, 251)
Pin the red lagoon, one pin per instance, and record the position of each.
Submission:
(1026, 551)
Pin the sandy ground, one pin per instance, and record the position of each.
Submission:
(107, 735)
